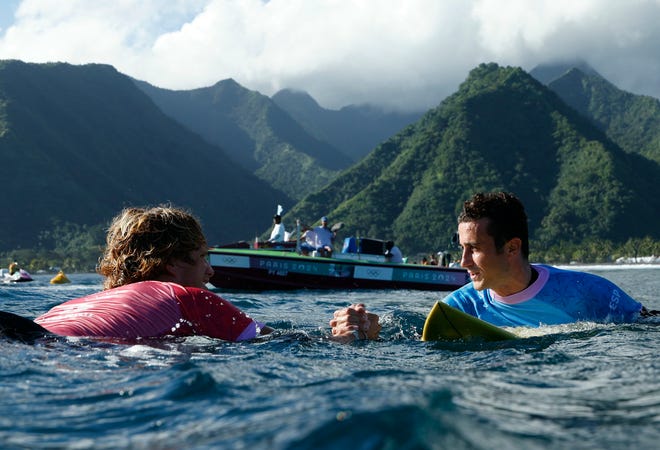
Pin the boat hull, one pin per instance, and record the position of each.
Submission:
(259, 270)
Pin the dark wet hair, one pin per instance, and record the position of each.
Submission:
(506, 217)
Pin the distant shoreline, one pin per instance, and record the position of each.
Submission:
(610, 266)
(641, 262)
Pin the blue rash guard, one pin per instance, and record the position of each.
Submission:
(557, 296)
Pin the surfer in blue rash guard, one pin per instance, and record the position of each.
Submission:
(506, 290)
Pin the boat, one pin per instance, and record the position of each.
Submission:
(19, 276)
(241, 266)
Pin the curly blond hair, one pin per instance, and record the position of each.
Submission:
(141, 241)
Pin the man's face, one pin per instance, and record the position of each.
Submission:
(487, 268)
(194, 273)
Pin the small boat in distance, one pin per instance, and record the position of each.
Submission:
(18, 276)
(238, 266)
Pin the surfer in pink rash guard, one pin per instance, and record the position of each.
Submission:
(151, 309)
(156, 269)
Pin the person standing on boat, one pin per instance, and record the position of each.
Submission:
(324, 237)
(155, 270)
(278, 234)
(444, 259)
(506, 290)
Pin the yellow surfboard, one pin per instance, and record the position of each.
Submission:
(447, 323)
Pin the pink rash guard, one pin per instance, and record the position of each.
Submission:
(150, 309)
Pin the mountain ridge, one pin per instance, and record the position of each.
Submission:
(82, 142)
(255, 132)
(632, 121)
(522, 137)
(354, 129)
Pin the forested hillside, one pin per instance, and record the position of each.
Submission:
(78, 143)
(256, 133)
(632, 121)
(354, 129)
(502, 130)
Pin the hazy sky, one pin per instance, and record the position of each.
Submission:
(408, 54)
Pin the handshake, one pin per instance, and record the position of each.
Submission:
(354, 323)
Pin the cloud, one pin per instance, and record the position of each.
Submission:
(408, 54)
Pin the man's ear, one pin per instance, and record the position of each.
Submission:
(514, 246)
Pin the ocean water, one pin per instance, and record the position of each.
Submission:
(580, 386)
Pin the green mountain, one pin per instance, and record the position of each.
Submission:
(502, 130)
(632, 121)
(78, 143)
(256, 133)
(354, 129)
(547, 73)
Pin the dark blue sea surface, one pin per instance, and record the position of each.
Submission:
(579, 386)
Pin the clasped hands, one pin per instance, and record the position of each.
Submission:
(354, 322)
